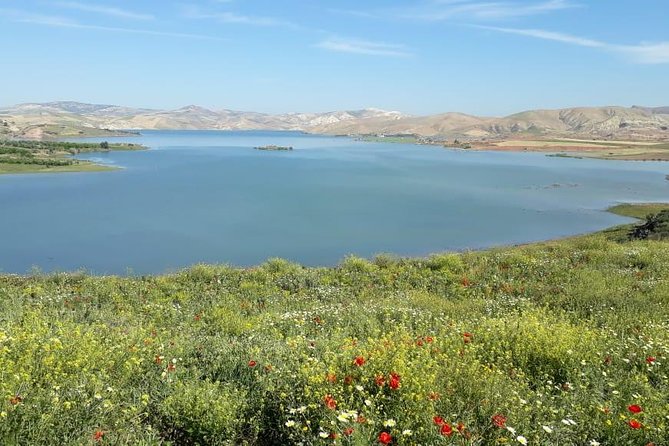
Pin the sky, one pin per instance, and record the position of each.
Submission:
(482, 57)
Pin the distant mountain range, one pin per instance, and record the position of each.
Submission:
(57, 119)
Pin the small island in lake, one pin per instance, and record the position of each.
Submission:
(274, 148)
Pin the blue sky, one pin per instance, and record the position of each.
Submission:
(486, 57)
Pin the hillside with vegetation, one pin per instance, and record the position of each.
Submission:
(555, 343)
(53, 157)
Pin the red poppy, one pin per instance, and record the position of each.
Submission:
(16, 399)
(419, 342)
(634, 408)
(465, 282)
(331, 377)
(330, 402)
(361, 419)
(359, 361)
(385, 438)
(97, 436)
(348, 379)
(634, 424)
(438, 420)
(171, 367)
(434, 396)
(460, 427)
(499, 420)
(333, 435)
(348, 431)
(158, 360)
(252, 363)
(197, 317)
(394, 382)
(380, 381)
(651, 359)
(446, 430)
(467, 337)
(608, 360)
(429, 339)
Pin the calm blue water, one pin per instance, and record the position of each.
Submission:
(209, 197)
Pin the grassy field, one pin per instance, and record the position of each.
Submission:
(557, 343)
(613, 150)
(18, 157)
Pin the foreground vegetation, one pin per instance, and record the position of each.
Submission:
(51, 156)
(558, 343)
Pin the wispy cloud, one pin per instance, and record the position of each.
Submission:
(105, 10)
(364, 47)
(192, 12)
(441, 10)
(445, 9)
(64, 22)
(645, 53)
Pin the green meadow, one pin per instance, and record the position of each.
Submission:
(18, 157)
(556, 343)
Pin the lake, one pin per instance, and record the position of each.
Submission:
(208, 196)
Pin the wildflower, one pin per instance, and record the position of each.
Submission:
(407, 432)
(290, 423)
(650, 360)
(438, 420)
(97, 436)
(389, 423)
(380, 381)
(547, 429)
(634, 408)
(522, 440)
(499, 420)
(385, 438)
(594, 443)
(323, 434)
(348, 431)
(359, 361)
(446, 430)
(330, 402)
(568, 422)
(460, 427)
(394, 382)
(512, 430)
(343, 417)
(634, 424)
(368, 403)
(252, 363)
(16, 399)
(359, 388)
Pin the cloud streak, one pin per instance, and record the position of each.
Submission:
(442, 10)
(64, 22)
(365, 47)
(644, 53)
(235, 18)
(105, 10)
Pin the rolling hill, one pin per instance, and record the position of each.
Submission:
(55, 119)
